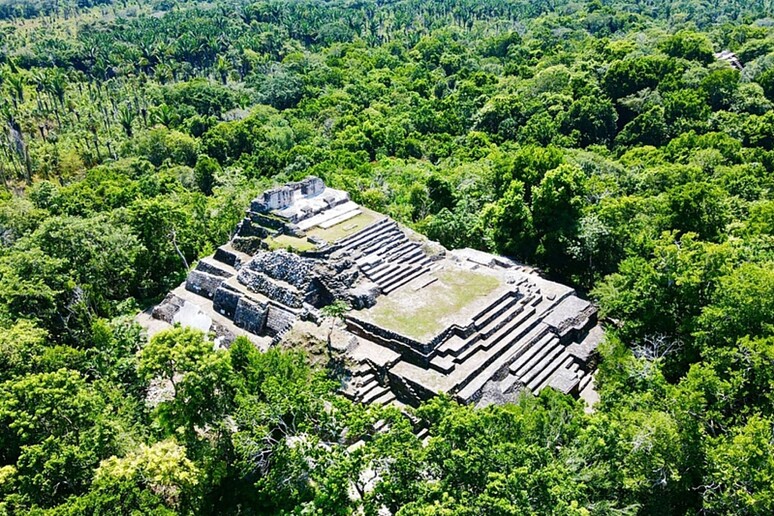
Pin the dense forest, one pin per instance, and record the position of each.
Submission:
(600, 141)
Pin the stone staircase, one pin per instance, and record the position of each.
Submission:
(386, 255)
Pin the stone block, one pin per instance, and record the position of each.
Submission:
(277, 320)
(225, 301)
(202, 283)
(246, 228)
(250, 316)
(281, 292)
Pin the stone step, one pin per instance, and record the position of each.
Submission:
(373, 355)
(444, 364)
(407, 279)
(519, 325)
(363, 369)
(452, 346)
(384, 250)
(366, 381)
(412, 257)
(329, 217)
(402, 279)
(493, 361)
(394, 253)
(507, 312)
(215, 267)
(366, 235)
(370, 243)
(374, 393)
(418, 259)
(383, 272)
(369, 262)
(389, 276)
(424, 263)
(376, 242)
(345, 241)
(552, 359)
(341, 218)
(363, 390)
(561, 362)
(230, 256)
(494, 309)
(411, 250)
(563, 381)
(379, 264)
(508, 383)
(385, 399)
(525, 361)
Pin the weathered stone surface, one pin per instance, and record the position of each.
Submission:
(281, 292)
(166, 310)
(250, 316)
(278, 320)
(225, 301)
(214, 268)
(284, 266)
(364, 295)
(246, 228)
(202, 283)
(248, 245)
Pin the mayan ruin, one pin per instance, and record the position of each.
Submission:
(423, 320)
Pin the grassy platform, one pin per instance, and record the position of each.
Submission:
(422, 314)
(287, 241)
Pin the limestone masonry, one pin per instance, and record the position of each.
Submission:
(424, 320)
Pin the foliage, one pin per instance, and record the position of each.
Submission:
(602, 142)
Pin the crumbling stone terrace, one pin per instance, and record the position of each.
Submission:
(424, 320)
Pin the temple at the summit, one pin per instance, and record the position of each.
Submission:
(424, 320)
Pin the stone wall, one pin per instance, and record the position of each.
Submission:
(284, 266)
(282, 197)
(278, 320)
(250, 316)
(203, 283)
(225, 301)
(414, 351)
(260, 282)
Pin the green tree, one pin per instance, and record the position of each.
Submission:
(557, 204)
(199, 377)
(205, 173)
(689, 45)
(741, 470)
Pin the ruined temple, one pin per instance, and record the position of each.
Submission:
(424, 320)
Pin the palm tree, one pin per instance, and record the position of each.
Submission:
(125, 117)
(58, 86)
(16, 84)
(164, 115)
(223, 67)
